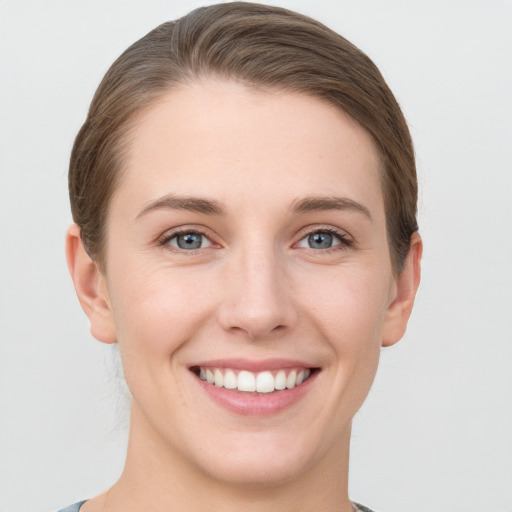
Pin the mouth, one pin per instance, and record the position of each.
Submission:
(246, 381)
(255, 387)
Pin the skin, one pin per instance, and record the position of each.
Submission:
(255, 290)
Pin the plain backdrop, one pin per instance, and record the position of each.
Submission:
(436, 431)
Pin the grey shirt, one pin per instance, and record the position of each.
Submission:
(76, 507)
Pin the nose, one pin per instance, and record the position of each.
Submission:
(257, 299)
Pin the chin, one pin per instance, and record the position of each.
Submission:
(263, 459)
(261, 470)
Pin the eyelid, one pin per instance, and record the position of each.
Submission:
(168, 235)
(173, 241)
(346, 240)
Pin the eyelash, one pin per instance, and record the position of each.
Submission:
(165, 239)
(344, 241)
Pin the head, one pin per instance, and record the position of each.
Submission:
(244, 195)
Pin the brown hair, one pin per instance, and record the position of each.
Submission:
(257, 45)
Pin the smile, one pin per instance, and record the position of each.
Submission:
(252, 382)
(255, 388)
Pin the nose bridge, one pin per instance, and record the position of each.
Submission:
(258, 300)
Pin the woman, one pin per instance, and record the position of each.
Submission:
(244, 197)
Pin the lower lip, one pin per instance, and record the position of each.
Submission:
(264, 404)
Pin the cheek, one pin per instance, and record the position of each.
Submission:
(154, 318)
(158, 310)
(351, 318)
(353, 309)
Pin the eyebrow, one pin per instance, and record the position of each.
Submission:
(191, 204)
(321, 203)
(213, 207)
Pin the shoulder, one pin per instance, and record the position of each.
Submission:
(73, 508)
(361, 508)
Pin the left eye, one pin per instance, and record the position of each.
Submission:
(320, 240)
(189, 241)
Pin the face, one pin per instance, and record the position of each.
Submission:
(248, 279)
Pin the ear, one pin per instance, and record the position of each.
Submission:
(91, 287)
(402, 300)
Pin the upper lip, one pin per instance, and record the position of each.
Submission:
(252, 365)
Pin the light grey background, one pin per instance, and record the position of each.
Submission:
(436, 431)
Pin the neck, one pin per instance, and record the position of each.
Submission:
(160, 479)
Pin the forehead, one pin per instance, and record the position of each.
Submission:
(224, 139)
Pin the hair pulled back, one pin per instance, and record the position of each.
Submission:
(257, 45)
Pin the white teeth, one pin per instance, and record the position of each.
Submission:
(246, 381)
(262, 382)
(291, 380)
(219, 378)
(230, 380)
(265, 382)
(280, 380)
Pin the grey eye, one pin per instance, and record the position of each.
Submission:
(320, 240)
(189, 241)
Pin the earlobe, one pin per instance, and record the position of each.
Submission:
(407, 283)
(90, 286)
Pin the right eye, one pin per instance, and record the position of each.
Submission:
(188, 241)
